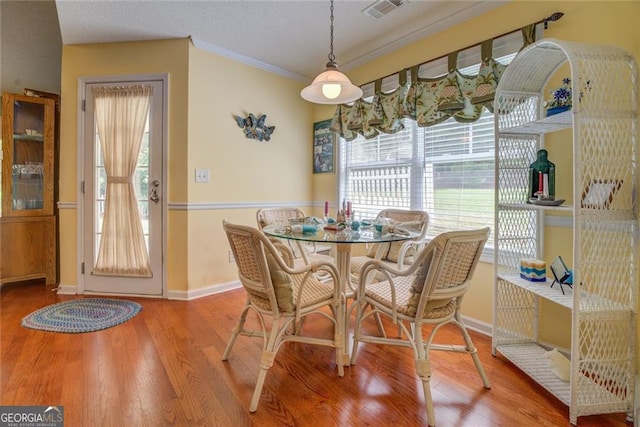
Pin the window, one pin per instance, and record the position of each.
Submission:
(446, 169)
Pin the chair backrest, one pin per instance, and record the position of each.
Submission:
(269, 216)
(416, 220)
(448, 263)
(282, 216)
(252, 250)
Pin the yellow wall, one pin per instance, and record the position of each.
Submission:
(163, 56)
(243, 171)
(205, 91)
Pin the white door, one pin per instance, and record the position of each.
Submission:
(148, 182)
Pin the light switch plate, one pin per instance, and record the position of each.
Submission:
(202, 175)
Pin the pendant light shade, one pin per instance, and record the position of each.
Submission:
(331, 86)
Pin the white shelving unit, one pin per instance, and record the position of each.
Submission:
(603, 302)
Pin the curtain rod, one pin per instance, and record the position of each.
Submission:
(551, 18)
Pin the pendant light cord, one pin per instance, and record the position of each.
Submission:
(332, 57)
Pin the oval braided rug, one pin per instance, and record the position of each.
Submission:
(82, 315)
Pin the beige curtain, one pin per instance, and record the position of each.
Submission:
(120, 115)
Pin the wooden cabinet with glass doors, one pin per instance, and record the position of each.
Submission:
(28, 225)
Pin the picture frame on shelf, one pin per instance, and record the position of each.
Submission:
(324, 141)
(561, 274)
(599, 193)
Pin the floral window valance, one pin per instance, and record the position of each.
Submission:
(382, 114)
(428, 101)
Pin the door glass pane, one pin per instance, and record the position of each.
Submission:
(100, 185)
(28, 156)
(140, 183)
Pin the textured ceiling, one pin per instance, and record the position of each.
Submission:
(289, 37)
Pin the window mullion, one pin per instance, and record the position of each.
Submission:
(417, 182)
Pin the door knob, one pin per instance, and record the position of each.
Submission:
(153, 193)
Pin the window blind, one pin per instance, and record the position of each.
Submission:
(446, 169)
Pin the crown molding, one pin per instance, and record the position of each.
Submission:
(208, 47)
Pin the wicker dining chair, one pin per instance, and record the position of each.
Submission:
(429, 292)
(282, 216)
(285, 295)
(395, 254)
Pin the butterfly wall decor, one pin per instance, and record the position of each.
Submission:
(255, 128)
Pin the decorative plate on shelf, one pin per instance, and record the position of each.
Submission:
(538, 202)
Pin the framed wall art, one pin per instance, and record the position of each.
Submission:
(323, 147)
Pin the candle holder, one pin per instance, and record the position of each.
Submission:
(542, 175)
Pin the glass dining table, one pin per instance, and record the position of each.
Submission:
(343, 240)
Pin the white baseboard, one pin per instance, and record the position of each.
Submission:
(478, 326)
(67, 289)
(171, 295)
(202, 292)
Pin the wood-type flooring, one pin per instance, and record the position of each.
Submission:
(164, 367)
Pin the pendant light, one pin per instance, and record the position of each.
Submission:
(331, 86)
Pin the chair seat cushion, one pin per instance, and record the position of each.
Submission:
(372, 250)
(394, 253)
(381, 293)
(286, 288)
(356, 265)
(315, 291)
(390, 252)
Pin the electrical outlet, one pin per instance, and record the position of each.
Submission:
(202, 175)
(231, 257)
